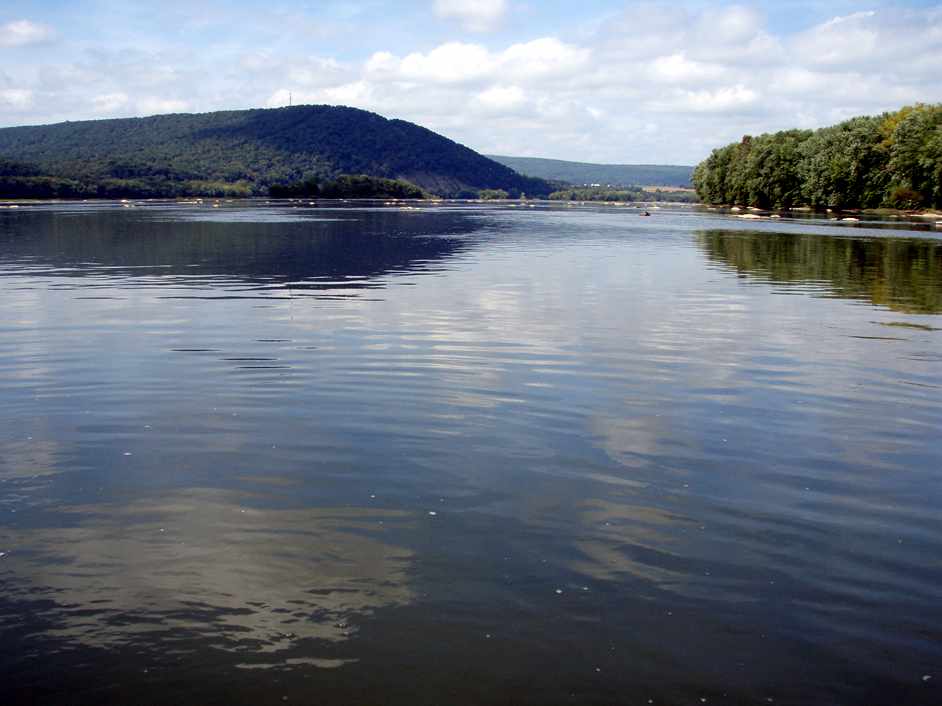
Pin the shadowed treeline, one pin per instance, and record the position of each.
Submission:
(903, 275)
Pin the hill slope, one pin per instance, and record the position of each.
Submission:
(579, 173)
(249, 151)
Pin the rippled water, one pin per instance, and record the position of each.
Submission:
(467, 455)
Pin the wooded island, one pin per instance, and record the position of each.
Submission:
(892, 160)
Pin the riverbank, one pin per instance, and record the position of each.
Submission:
(931, 216)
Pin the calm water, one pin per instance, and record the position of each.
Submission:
(467, 455)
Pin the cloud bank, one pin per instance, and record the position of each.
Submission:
(644, 83)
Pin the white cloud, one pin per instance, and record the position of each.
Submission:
(109, 102)
(16, 98)
(457, 62)
(720, 101)
(654, 83)
(677, 68)
(357, 93)
(475, 15)
(847, 19)
(281, 97)
(798, 81)
(449, 63)
(315, 72)
(19, 33)
(892, 43)
(257, 61)
(546, 57)
(841, 40)
(154, 106)
(731, 25)
(501, 99)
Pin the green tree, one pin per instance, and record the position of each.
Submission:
(893, 159)
(845, 166)
(916, 153)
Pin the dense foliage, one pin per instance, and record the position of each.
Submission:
(349, 187)
(240, 153)
(629, 194)
(892, 160)
(580, 173)
(45, 187)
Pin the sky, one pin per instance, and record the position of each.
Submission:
(594, 80)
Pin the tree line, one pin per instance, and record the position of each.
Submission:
(349, 186)
(893, 160)
(628, 194)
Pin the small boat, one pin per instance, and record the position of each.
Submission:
(646, 213)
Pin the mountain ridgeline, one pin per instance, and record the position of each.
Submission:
(585, 173)
(892, 160)
(241, 153)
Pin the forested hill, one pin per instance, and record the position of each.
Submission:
(892, 160)
(243, 153)
(584, 173)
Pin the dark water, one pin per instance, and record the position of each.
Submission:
(467, 455)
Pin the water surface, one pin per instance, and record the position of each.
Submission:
(467, 455)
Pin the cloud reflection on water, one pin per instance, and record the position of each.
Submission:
(211, 565)
(585, 400)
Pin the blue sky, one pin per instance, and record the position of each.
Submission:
(594, 80)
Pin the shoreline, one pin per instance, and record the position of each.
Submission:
(928, 217)
(927, 214)
(200, 200)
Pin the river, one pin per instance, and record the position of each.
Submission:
(467, 454)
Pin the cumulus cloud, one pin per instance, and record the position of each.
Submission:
(894, 42)
(841, 41)
(731, 25)
(677, 68)
(16, 98)
(541, 58)
(456, 62)
(19, 33)
(724, 100)
(475, 15)
(453, 62)
(155, 105)
(665, 89)
(356, 93)
(110, 102)
(501, 99)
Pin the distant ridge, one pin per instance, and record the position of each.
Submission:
(579, 173)
(244, 152)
